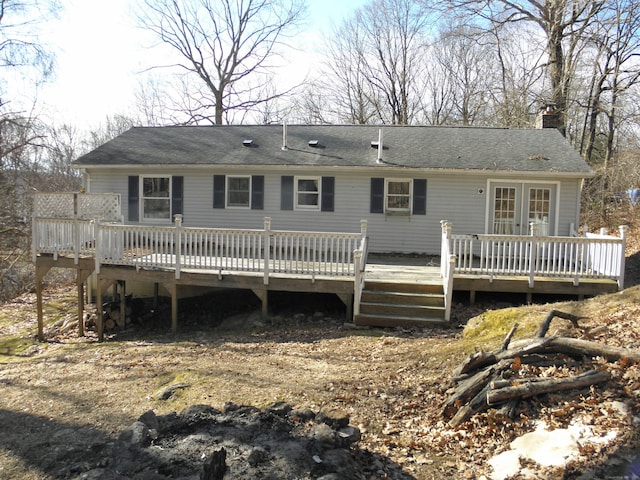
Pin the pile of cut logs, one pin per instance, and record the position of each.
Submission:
(493, 380)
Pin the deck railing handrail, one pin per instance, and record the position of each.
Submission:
(192, 248)
(447, 263)
(360, 257)
(576, 258)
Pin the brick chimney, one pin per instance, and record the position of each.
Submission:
(547, 116)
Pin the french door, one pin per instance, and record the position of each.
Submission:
(514, 206)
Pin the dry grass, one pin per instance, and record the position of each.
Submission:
(63, 401)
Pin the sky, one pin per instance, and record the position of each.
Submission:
(100, 53)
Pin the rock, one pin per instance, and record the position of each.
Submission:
(333, 417)
(257, 455)
(215, 465)
(280, 408)
(166, 392)
(150, 419)
(348, 435)
(301, 415)
(323, 434)
(135, 436)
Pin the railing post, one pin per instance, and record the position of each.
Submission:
(623, 236)
(34, 238)
(363, 228)
(534, 253)
(98, 245)
(449, 288)
(357, 287)
(178, 242)
(267, 248)
(76, 240)
(445, 245)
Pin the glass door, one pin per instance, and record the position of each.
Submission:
(515, 206)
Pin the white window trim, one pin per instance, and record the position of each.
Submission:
(408, 210)
(227, 191)
(142, 217)
(296, 205)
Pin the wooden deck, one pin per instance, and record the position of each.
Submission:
(383, 290)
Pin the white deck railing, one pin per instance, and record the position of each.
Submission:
(447, 265)
(575, 258)
(215, 250)
(360, 257)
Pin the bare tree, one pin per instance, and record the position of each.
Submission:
(226, 45)
(516, 89)
(353, 98)
(375, 62)
(563, 23)
(466, 59)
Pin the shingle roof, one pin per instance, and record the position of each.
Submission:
(467, 148)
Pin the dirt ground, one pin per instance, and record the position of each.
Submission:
(64, 402)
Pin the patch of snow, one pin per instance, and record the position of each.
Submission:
(545, 447)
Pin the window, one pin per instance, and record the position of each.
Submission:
(239, 192)
(398, 195)
(307, 193)
(539, 203)
(504, 211)
(156, 198)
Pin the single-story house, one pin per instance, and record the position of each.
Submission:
(301, 208)
(402, 179)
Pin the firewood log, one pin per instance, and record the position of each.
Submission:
(530, 389)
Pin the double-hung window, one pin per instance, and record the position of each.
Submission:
(156, 197)
(239, 191)
(398, 195)
(307, 193)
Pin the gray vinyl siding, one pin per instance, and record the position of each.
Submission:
(460, 199)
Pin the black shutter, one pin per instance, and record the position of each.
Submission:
(328, 193)
(257, 192)
(377, 195)
(177, 194)
(134, 200)
(286, 193)
(420, 196)
(219, 182)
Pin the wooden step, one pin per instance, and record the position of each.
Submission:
(392, 321)
(403, 287)
(411, 311)
(391, 304)
(403, 298)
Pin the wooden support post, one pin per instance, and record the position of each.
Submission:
(265, 305)
(80, 286)
(99, 312)
(122, 322)
(472, 297)
(155, 296)
(81, 278)
(263, 295)
(347, 299)
(173, 289)
(41, 271)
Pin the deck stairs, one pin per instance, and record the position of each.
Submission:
(386, 303)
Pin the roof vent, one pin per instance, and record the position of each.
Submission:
(284, 136)
(247, 143)
(313, 143)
